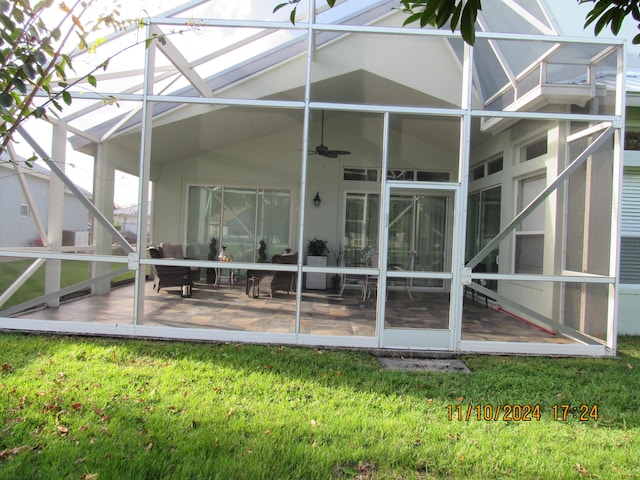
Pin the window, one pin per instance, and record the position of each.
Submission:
(477, 172)
(25, 211)
(488, 167)
(238, 218)
(630, 227)
(372, 175)
(360, 174)
(494, 166)
(425, 176)
(534, 150)
(529, 238)
(632, 139)
(400, 175)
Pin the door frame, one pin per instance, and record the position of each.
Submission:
(424, 339)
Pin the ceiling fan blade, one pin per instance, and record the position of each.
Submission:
(340, 152)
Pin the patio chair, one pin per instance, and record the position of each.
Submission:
(352, 279)
(366, 283)
(271, 281)
(169, 275)
(371, 281)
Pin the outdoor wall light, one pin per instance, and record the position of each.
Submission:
(317, 200)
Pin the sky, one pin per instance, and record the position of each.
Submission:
(79, 167)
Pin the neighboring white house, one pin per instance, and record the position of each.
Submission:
(18, 227)
(126, 219)
(430, 166)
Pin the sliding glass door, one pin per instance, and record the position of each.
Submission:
(238, 218)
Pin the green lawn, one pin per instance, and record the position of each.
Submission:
(84, 408)
(72, 272)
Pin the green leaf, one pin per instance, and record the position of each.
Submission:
(28, 70)
(67, 61)
(411, 19)
(280, 6)
(467, 24)
(41, 58)
(19, 84)
(597, 10)
(66, 96)
(455, 17)
(429, 14)
(8, 23)
(60, 71)
(6, 100)
(444, 13)
(616, 21)
(603, 21)
(39, 112)
(92, 80)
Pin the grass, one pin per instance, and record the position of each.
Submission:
(72, 272)
(85, 408)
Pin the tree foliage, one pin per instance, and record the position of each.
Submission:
(462, 14)
(33, 57)
(612, 13)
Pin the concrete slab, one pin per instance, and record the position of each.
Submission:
(423, 364)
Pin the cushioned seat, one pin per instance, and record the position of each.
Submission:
(273, 281)
(169, 275)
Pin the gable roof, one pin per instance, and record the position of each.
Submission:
(497, 62)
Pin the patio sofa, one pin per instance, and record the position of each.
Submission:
(169, 275)
(265, 281)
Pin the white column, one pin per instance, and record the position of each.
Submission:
(103, 188)
(55, 222)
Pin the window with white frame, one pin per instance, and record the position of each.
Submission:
(373, 175)
(630, 227)
(486, 168)
(529, 237)
(25, 211)
(535, 149)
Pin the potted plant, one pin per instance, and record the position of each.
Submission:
(317, 247)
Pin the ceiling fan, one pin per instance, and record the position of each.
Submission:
(323, 150)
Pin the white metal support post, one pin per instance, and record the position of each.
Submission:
(618, 169)
(143, 178)
(460, 207)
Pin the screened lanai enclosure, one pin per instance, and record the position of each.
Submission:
(464, 199)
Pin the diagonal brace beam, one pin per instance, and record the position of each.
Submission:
(76, 191)
(181, 63)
